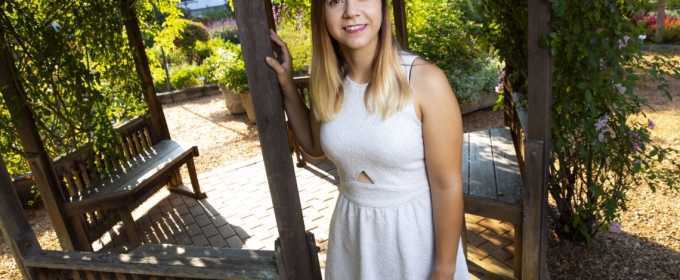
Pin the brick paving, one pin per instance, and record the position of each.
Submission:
(238, 213)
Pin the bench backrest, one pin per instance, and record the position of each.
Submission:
(81, 167)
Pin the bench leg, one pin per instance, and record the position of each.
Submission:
(197, 194)
(130, 227)
(518, 251)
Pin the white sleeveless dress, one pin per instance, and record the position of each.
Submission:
(383, 230)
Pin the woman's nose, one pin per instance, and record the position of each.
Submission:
(351, 9)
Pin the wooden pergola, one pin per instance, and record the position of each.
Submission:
(296, 257)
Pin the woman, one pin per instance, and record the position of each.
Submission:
(391, 124)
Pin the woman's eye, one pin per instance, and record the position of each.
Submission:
(335, 2)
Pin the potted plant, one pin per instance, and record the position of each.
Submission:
(225, 68)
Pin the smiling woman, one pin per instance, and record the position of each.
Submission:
(391, 124)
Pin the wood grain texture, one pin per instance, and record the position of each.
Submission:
(165, 261)
(16, 230)
(537, 149)
(482, 179)
(508, 180)
(251, 17)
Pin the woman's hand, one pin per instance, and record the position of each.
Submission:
(284, 67)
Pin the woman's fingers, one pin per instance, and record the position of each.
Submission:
(275, 65)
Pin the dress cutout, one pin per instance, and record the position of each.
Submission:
(383, 230)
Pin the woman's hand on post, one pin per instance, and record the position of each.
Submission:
(284, 66)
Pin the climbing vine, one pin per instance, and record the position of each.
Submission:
(76, 67)
(599, 147)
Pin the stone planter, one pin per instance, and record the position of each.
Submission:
(486, 100)
(248, 104)
(232, 101)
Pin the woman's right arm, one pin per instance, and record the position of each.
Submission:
(304, 124)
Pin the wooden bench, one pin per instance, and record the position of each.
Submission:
(96, 201)
(156, 261)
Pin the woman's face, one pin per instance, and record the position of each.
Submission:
(354, 23)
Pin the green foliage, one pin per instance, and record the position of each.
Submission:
(297, 35)
(192, 33)
(186, 77)
(227, 67)
(598, 148)
(442, 32)
(468, 88)
(77, 70)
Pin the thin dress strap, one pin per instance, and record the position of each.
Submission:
(407, 64)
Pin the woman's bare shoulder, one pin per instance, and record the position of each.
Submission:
(428, 80)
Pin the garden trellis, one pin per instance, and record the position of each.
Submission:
(296, 256)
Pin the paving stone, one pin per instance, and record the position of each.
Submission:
(234, 242)
(252, 222)
(269, 243)
(200, 240)
(242, 233)
(193, 230)
(473, 219)
(217, 241)
(176, 201)
(495, 238)
(496, 226)
(311, 213)
(491, 260)
(183, 239)
(261, 232)
(226, 231)
(181, 209)
(196, 210)
(190, 202)
(495, 251)
(209, 230)
(187, 219)
(510, 248)
(269, 221)
(476, 228)
(475, 253)
(202, 220)
(218, 221)
(474, 239)
(254, 243)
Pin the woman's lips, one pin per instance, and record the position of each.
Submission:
(355, 29)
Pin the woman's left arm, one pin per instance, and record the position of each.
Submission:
(443, 139)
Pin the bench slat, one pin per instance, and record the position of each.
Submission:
(172, 261)
(508, 178)
(120, 191)
(482, 180)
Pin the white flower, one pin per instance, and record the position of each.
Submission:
(620, 88)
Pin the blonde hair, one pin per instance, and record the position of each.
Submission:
(387, 92)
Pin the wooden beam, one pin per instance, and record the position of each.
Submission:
(38, 159)
(399, 11)
(158, 126)
(537, 149)
(18, 234)
(266, 95)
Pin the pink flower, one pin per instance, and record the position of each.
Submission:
(499, 89)
(601, 137)
(651, 124)
(615, 227)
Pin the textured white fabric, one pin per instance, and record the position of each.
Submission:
(383, 230)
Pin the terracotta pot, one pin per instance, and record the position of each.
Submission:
(232, 101)
(248, 104)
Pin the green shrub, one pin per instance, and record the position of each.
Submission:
(469, 87)
(227, 67)
(192, 33)
(298, 38)
(185, 77)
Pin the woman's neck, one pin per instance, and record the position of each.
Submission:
(359, 63)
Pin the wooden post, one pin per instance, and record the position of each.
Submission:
(18, 234)
(537, 149)
(253, 29)
(158, 127)
(660, 19)
(38, 159)
(399, 11)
